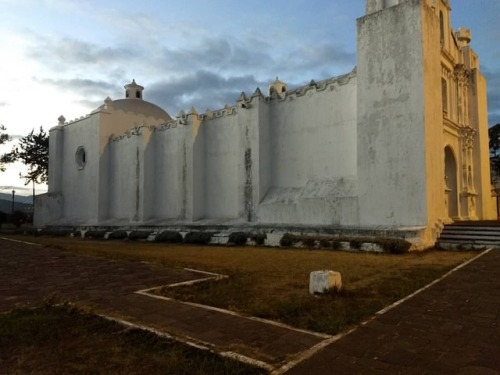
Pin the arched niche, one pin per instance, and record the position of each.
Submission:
(451, 182)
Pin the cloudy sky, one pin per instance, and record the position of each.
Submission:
(65, 56)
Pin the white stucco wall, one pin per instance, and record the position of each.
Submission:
(246, 164)
(312, 156)
(80, 185)
(85, 189)
(323, 121)
(48, 209)
(56, 157)
(166, 179)
(223, 159)
(124, 187)
(265, 151)
(390, 107)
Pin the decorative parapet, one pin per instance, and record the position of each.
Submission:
(181, 118)
(136, 130)
(246, 102)
(329, 83)
(463, 35)
(139, 129)
(165, 126)
(243, 101)
(108, 103)
(257, 93)
(191, 115)
(61, 121)
(313, 86)
(226, 111)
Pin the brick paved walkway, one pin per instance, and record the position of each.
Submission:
(29, 273)
(451, 328)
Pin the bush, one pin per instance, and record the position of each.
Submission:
(31, 231)
(238, 238)
(138, 235)
(55, 232)
(62, 232)
(389, 245)
(42, 232)
(356, 243)
(309, 242)
(326, 243)
(200, 238)
(258, 238)
(19, 218)
(288, 240)
(337, 244)
(169, 236)
(118, 235)
(393, 245)
(95, 234)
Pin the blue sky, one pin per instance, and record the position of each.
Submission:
(66, 56)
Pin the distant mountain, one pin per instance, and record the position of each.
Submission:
(28, 199)
(21, 203)
(6, 206)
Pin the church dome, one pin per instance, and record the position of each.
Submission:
(141, 107)
(135, 103)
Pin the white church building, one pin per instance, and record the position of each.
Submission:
(398, 144)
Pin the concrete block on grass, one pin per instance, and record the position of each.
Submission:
(324, 281)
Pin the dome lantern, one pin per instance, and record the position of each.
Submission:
(277, 87)
(133, 90)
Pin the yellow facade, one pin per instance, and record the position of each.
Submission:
(465, 128)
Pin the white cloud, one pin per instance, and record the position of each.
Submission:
(65, 56)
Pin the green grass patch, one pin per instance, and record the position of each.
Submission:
(66, 340)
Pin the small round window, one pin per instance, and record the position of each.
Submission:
(80, 157)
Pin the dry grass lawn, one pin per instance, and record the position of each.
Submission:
(66, 340)
(273, 283)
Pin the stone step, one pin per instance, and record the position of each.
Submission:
(475, 241)
(491, 233)
(469, 233)
(473, 227)
(470, 229)
(465, 246)
(469, 238)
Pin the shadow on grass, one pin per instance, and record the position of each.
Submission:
(64, 339)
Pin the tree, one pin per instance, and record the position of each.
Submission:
(19, 218)
(33, 151)
(5, 158)
(494, 133)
